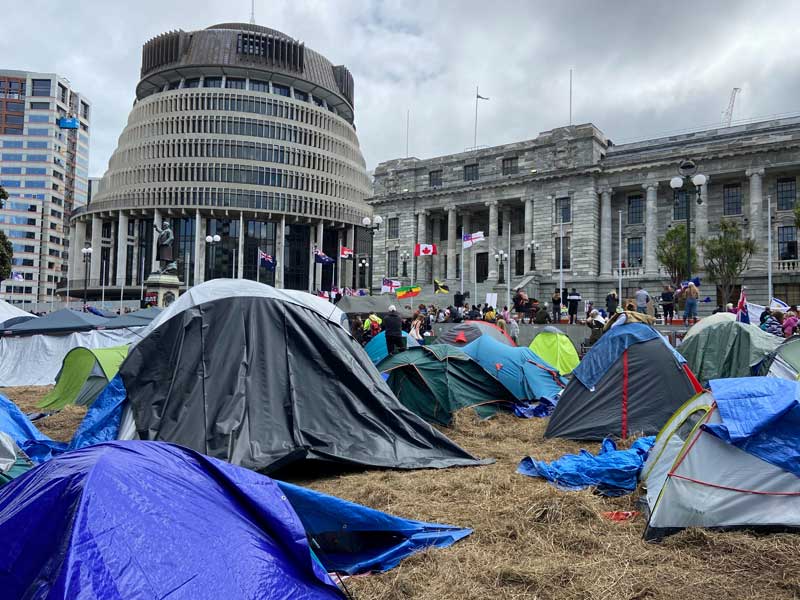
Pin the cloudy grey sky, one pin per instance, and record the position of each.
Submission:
(641, 67)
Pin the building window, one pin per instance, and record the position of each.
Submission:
(212, 82)
(563, 210)
(435, 179)
(470, 172)
(234, 84)
(510, 166)
(787, 243)
(635, 252)
(519, 262)
(393, 228)
(787, 193)
(679, 205)
(635, 209)
(41, 87)
(259, 86)
(391, 263)
(732, 199)
(788, 292)
(302, 96)
(191, 83)
(281, 90)
(559, 244)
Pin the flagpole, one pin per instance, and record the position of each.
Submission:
(619, 259)
(258, 265)
(475, 136)
(508, 266)
(474, 276)
(769, 250)
(103, 284)
(462, 264)
(561, 254)
(67, 283)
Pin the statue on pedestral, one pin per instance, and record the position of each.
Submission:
(164, 254)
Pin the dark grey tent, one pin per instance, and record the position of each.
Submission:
(263, 377)
(61, 321)
(631, 381)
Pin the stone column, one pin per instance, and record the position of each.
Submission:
(422, 238)
(436, 238)
(756, 203)
(508, 267)
(492, 240)
(605, 231)
(199, 248)
(78, 235)
(528, 202)
(338, 281)
(280, 242)
(466, 253)
(136, 258)
(318, 266)
(240, 251)
(122, 248)
(97, 245)
(312, 239)
(157, 221)
(700, 220)
(452, 233)
(350, 265)
(651, 234)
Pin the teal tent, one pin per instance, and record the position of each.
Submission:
(437, 380)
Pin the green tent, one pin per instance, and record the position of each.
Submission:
(13, 461)
(555, 348)
(437, 380)
(83, 375)
(727, 349)
(785, 361)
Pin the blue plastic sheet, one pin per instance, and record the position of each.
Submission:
(351, 538)
(149, 520)
(376, 348)
(101, 423)
(613, 472)
(30, 440)
(607, 350)
(760, 415)
(526, 375)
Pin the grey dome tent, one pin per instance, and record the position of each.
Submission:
(631, 381)
(263, 377)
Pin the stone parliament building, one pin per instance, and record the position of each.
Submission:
(574, 183)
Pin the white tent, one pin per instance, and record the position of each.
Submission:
(9, 311)
(36, 359)
(694, 478)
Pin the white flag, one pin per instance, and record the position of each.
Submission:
(472, 238)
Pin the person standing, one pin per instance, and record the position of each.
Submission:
(691, 295)
(556, 300)
(668, 304)
(357, 328)
(642, 298)
(612, 302)
(513, 329)
(573, 299)
(393, 328)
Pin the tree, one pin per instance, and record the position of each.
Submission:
(726, 257)
(671, 253)
(6, 249)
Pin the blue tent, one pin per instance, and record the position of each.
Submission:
(376, 347)
(519, 369)
(148, 519)
(31, 441)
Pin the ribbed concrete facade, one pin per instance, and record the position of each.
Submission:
(239, 131)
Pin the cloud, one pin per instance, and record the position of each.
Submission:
(640, 69)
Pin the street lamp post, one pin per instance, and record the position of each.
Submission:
(212, 241)
(372, 225)
(87, 261)
(501, 258)
(363, 265)
(405, 257)
(687, 171)
(532, 248)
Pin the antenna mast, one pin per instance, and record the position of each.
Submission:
(727, 116)
(252, 12)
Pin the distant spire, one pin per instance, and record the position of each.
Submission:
(252, 12)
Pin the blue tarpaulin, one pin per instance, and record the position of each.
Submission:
(354, 538)
(613, 472)
(150, 519)
(376, 348)
(760, 415)
(607, 350)
(520, 370)
(33, 442)
(101, 423)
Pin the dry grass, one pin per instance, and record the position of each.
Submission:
(532, 541)
(59, 426)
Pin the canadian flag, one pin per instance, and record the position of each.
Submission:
(425, 250)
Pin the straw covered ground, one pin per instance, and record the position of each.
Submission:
(530, 540)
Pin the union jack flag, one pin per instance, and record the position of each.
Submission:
(266, 260)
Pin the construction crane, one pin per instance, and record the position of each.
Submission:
(727, 116)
